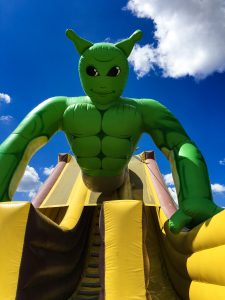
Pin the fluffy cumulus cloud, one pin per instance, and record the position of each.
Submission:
(142, 59)
(30, 182)
(218, 188)
(168, 178)
(189, 35)
(5, 98)
(48, 171)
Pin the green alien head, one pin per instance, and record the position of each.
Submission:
(103, 67)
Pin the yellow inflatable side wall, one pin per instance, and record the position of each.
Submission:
(196, 259)
(13, 225)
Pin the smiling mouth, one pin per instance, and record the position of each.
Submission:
(102, 93)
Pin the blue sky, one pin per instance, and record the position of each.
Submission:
(180, 62)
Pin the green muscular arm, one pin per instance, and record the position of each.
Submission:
(188, 166)
(31, 134)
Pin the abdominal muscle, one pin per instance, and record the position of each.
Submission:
(105, 184)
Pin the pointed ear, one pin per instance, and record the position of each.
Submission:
(80, 44)
(127, 45)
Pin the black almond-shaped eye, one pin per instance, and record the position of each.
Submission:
(114, 71)
(91, 71)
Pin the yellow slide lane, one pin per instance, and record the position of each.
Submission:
(138, 235)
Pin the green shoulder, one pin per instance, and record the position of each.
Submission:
(161, 124)
(44, 119)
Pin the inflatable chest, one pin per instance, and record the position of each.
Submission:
(102, 141)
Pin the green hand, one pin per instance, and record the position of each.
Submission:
(192, 213)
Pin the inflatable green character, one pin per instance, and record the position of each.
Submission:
(103, 130)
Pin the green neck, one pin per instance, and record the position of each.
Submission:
(106, 105)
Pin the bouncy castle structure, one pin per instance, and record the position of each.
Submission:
(71, 243)
(104, 225)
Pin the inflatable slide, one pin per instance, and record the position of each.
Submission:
(71, 243)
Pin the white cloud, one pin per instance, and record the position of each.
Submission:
(222, 162)
(189, 34)
(5, 98)
(173, 193)
(168, 178)
(218, 188)
(30, 182)
(142, 59)
(6, 119)
(32, 194)
(48, 171)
